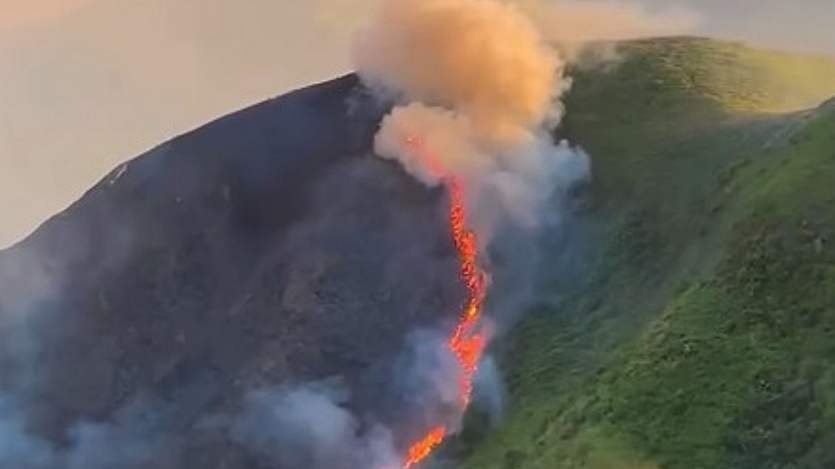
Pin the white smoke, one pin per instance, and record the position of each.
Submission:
(479, 88)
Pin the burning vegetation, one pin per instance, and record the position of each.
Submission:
(469, 338)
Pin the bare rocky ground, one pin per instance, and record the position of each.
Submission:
(269, 247)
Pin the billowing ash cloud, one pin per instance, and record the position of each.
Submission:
(481, 58)
(479, 89)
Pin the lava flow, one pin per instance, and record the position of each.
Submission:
(467, 340)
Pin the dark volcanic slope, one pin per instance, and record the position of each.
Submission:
(266, 247)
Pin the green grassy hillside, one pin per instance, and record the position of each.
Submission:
(703, 335)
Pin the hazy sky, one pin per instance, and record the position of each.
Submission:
(87, 84)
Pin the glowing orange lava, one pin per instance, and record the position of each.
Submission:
(468, 340)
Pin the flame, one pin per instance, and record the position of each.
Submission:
(422, 448)
(467, 340)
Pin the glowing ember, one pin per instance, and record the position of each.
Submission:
(467, 341)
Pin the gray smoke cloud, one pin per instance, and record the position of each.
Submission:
(322, 426)
(33, 304)
(18, 448)
(307, 428)
(130, 442)
(488, 390)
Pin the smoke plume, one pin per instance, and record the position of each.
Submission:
(481, 58)
(307, 428)
(478, 88)
(130, 443)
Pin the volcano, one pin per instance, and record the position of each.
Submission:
(269, 247)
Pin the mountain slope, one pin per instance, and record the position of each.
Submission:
(701, 334)
(266, 248)
(687, 325)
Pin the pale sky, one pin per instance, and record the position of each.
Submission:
(87, 84)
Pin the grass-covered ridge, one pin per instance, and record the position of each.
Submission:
(704, 334)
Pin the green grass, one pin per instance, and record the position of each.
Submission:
(705, 335)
